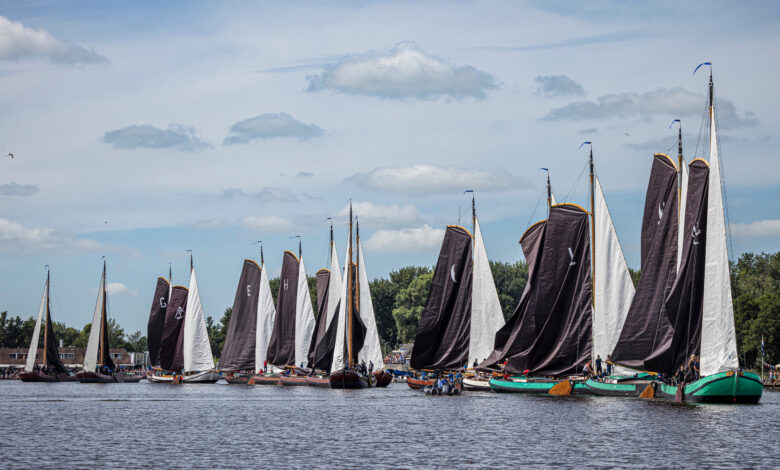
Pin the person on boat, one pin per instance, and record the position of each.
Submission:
(693, 366)
(679, 377)
(586, 370)
(609, 365)
(598, 365)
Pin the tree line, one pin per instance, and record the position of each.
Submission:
(400, 298)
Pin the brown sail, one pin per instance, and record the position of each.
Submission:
(238, 352)
(281, 348)
(171, 354)
(154, 328)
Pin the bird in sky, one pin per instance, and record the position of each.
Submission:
(11, 155)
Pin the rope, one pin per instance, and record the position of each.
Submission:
(576, 182)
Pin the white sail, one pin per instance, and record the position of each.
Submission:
(90, 356)
(196, 347)
(372, 347)
(486, 315)
(334, 285)
(718, 339)
(304, 318)
(339, 361)
(613, 287)
(266, 313)
(33, 352)
(681, 235)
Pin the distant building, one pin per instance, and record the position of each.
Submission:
(70, 356)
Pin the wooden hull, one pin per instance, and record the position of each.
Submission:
(533, 387)
(382, 378)
(160, 379)
(49, 378)
(264, 379)
(87, 377)
(419, 384)
(348, 379)
(318, 381)
(237, 379)
(293, 380)
(476, 385)
(132, 378)
(724, 387)
(205, 377)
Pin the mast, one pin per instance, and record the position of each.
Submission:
(592, 250)
(103, 324)
(349, 291)
(48, 317)
(170, 273)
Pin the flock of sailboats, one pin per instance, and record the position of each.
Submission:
(672, 337)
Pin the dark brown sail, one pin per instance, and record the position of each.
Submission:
(104, 353)
(442, 340)
(358, 327)
(559, 303)
(238, 352)
(171, 354)
(683, 306)
(52, 353)
(321, 325)
(154, 328)
(647, 327)
(516, 335)
(281, 348)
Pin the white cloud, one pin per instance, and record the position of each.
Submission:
(176, 137)
(213, 223)
(268, 223)
(269, 126)
(376, 215)
(410, 240)
(16, 189)
(557, 85)
(16, 239)
(115, 288)
(273, 194)
(759, 228)
(676, 102)
(422, 180)
(20, 42)
(403, 72)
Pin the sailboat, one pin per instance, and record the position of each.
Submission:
(98, 365)
(155, 326)
(237, 359)
(293, 325)
(196, 347)
(323, 344)
(577, 294)
(52, 369)
(170, 357)
(357, 347)
(701, 297)
(462, 313)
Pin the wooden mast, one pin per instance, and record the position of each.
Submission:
(349, 292)
(592, 252)
(48, 316)
(549, 193)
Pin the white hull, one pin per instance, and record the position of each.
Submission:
(208, 376)
(160, 379)
(475, 384)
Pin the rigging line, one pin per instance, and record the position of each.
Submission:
(533, 214)
(576, 182)
(699, 139)
(723, 187)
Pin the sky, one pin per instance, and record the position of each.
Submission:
(141, 130)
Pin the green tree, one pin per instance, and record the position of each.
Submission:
(66, 334)
(137, 342)
(635, 273)
(510, 279)
(409, 305)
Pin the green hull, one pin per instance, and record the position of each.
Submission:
(619, 389)
(536, 387)
(724, 387)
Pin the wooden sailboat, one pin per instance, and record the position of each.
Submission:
(155, 328)
(98, 365)
(51, 368)
(237, 359)
(462, 313)
(196, 347)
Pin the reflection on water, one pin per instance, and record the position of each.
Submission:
(69, 425)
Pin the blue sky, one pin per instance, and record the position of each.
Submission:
(142, 130)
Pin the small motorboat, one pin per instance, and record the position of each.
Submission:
(419, 384)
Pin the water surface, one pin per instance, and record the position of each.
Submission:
(72, 425)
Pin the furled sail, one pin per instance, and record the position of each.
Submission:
(613, 287)
(171, 357)
(154, 328)
(718, 337)
(486, 314)
(442, 340)
(32, 353)
(520, 331)
(266, 314)
(684, 302)
(238, 351)
(196, 347)
(282, 346)
(647, 326)
(371, 352)
(304, 318)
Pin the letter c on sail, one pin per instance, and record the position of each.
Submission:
(452, 273)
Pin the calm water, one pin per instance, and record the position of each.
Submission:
(144, 425)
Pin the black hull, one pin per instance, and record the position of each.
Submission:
(348, 379)
(46, 378)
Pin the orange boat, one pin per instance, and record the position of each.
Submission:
(293, 380)
(419, 384)
(264, 379)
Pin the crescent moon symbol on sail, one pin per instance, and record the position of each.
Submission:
(452, 273)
